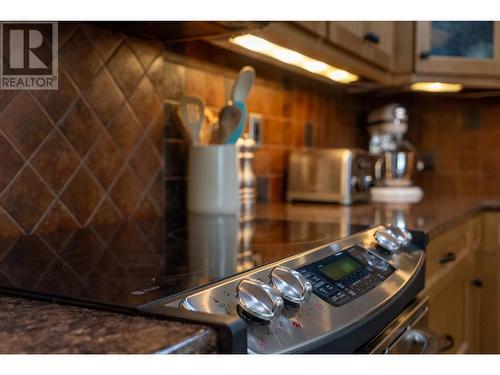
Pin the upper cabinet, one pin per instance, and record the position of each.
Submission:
(372, 41)
(458, 48)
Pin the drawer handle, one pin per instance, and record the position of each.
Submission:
(424, 55)
(450, 257)
(372, 37)
(478, 283)
(447, 343)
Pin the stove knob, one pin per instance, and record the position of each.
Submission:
(399, 234)
(258, 299)
(290, 285)
(386, 240)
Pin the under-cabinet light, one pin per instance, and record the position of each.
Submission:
(436, 87)
(288, 56)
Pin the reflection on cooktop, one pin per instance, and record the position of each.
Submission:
(132, 263)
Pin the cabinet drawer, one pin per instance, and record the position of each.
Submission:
(491, 232)
(444, 250)
(447, 317)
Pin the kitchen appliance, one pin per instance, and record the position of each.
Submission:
(396, 157)
(340, 175)
(336, 298)
(279, 287)
(126, 266)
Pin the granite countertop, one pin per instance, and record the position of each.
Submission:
(31, 326)
(432, 214)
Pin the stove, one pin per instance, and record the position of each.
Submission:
(266, 286)
(133, 263)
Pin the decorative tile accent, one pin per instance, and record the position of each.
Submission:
(24, 123)
(26, 199)
(81, 127)
(56, 161)
(90, 151)
(82, 195)
(125, 68)
(79, 58)
(105, 97)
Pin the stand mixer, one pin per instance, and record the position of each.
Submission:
(396, 157)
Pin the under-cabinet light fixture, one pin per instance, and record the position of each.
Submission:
(288, 56)
(436, 87)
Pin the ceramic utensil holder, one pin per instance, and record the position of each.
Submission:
(213, 181)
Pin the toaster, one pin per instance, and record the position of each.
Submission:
(342, 175)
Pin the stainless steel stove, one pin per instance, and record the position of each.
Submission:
(334, 298)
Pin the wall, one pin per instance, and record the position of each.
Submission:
(462, 135)
(286, 102)
(91, 151)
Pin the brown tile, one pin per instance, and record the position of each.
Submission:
(82, 195)
(104, 161)
(145, 102)
(65, 31)
(447, 162)
(26, 199)
(106, 213)
(175, 80)
(5, 97)
(145, 162)
(57, 102)
(277, 132)
(262, 161)
(146, 210)
(156, 132)
(104, 41)
(81, 127)
(276, 189)
(490, 162)
(57, 218)
(12, 162)
(489, 140)
(156, 74)
(55, 161)
(469, 185)
(105, 97)
(468, 161)
(8, 227)
(146, 50)
(126, 191)
(279, 160)
(80, 59)
(125, 130)
(490, 185)
(125, 69)
(157, 191)
(24, 123)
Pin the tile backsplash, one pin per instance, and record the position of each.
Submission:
(286, 102)
(91, 151)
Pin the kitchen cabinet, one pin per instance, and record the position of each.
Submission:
(453, 287)
(319, 28)
(490, 268)
(372, 41)
(458, 48)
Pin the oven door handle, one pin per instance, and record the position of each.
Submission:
(415, 341)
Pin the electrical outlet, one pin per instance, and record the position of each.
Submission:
(255, 128)
(309, 135)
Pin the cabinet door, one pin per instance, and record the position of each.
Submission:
(490, 310)
(447, 317)
(458, 47)
(373, 41)
(318, 28)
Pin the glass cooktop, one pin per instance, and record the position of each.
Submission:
(133, 263)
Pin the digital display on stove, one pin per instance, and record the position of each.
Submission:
(340, 268)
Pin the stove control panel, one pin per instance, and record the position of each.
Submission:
(309, 297)
(345, 276)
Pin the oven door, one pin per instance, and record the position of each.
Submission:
(407, 334)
